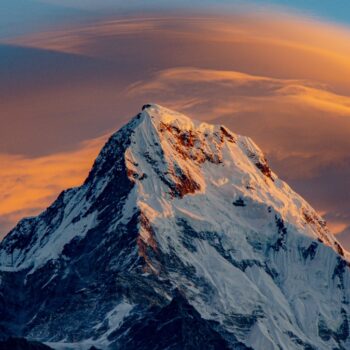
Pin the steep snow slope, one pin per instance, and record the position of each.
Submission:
(179, 210)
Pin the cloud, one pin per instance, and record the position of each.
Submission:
(270, 44)
(80, 39)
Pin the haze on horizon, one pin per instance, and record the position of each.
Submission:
(72, 72)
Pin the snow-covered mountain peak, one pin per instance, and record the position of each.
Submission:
(159, 114)
(174, 166)
(172, 204)
(172, 156)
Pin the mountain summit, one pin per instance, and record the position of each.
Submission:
(181, 237)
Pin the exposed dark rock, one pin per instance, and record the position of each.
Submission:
(310, 251)
(282, 232)
(339, 271)
(227, 134)
(146, 106)
(184, 185)
(265, 169)
(313, 219)
(239, 202)
(339, 249)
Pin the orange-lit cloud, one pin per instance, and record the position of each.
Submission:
(272, 44)
(78, 39)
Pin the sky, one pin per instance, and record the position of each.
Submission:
(72, 72)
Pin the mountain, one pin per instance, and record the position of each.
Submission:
(181, 237)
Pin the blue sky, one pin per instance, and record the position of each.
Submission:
(22, 16)
(333, 10)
